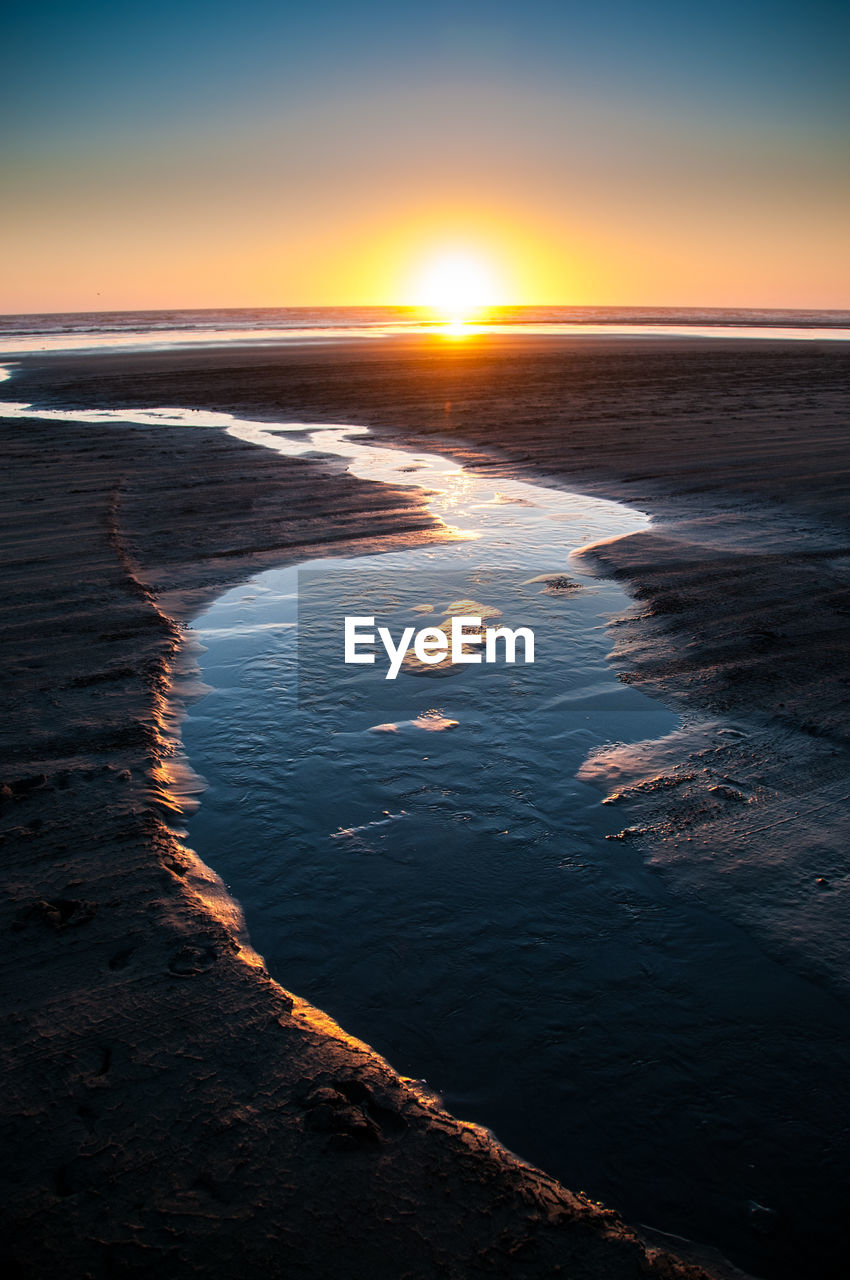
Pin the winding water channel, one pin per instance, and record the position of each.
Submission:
(418, 858)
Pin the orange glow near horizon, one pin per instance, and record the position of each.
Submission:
(481, 253)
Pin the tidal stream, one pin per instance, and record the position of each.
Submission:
(418, 858)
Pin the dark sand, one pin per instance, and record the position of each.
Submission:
(159, 1089)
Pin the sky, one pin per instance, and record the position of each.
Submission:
(250, 153)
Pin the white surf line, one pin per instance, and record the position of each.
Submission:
(46, 344)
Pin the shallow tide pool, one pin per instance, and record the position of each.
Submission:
(419, 858)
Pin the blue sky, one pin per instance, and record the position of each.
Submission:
(192, 103)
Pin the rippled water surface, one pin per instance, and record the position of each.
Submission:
(418, 858)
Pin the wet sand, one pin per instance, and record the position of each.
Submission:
(740, 452)
(167, 1108)
(160, 1089)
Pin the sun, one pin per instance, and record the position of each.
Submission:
(456, 286)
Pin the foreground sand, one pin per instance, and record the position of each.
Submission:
(168, 1109)
(170, 1093)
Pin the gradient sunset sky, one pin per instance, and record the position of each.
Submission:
(250, 153)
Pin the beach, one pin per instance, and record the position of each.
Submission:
(183, 1111)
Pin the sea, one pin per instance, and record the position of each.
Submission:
(79, 331)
